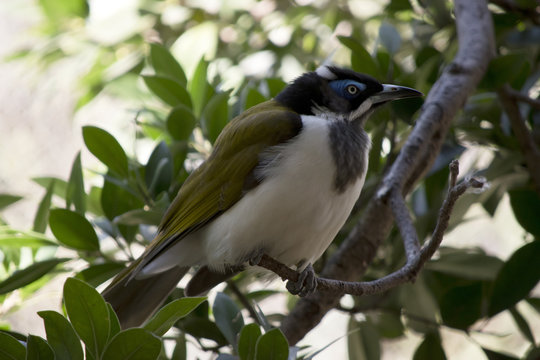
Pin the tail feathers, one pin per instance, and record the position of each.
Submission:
(134, 300)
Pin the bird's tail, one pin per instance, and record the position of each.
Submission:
(135, 300)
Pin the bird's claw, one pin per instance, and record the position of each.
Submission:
(255, 259)
(306, 283)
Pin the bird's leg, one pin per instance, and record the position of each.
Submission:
(306, 283)
(255, 258)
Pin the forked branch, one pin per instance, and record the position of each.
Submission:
(416, 255)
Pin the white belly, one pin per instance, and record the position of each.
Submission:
(293, 215)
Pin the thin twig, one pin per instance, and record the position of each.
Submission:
(535, 103)
(416, 258)
(528, 147)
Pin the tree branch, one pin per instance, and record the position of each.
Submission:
(416, 257)
(447, 96)
(530, 151)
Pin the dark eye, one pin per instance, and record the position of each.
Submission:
(352, 89)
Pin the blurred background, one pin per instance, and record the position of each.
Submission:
(67, 64)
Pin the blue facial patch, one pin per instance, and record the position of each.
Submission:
(348, 89)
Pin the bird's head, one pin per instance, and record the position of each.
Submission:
(339, 93)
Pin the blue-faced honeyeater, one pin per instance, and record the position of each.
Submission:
(282, 179)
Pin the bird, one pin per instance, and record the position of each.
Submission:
(281, 180)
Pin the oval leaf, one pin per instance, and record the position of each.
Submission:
(215, 116)
(42, 214)
(88, 313)
(73, 230)
(526, 206)
(11, 348)
(28, 275)
(75, 188)
(430, 349)
(8, 199)
(133, 344)
(518, 276)
(168, 90)
(159, 169)
(272, 346)
(363, 341)
(61, 336)
(165, 64)
(106, 148)
(161, 322)
(228, 317)
(38, 349)
(247, 341)
(181, 122)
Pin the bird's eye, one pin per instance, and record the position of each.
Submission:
(352, 89)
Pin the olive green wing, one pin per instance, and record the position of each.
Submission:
(226, 175)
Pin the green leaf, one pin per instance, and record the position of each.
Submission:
(181, 122)
(363, 341)
(247, 341)
(117, 200)
(133, 344)
(88, 313)
(73, 230)
(466, 264)
(199, 88)
(159, 169)
(75, 189)
(418, 301)
(204, 328)
(430, 349)
(518, 276)
(165, 64)
(60, 186)
(522, 325)
(61, 336)
(96, 275)
(11, 348)
(170, 91)
(275, 86)
(114, 323)
(503, 69)
(106, 148)
(461, 306)
(139, 216)
(215, 116)
(389, 37)
(526, 206)
(228, 317)
(272, 346)
(24, 240)
(8, 199)
(388, 325)
(38, 349)
(165, 318)
(56, 10)
(42, 216)
(253, 98)
(361, 60)
(493, 355)
(29, 274)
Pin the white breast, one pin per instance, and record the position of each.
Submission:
(294, 214)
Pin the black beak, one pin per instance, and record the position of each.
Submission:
(394, 92)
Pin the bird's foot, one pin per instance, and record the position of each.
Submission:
(255, 258)
(306, 283)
